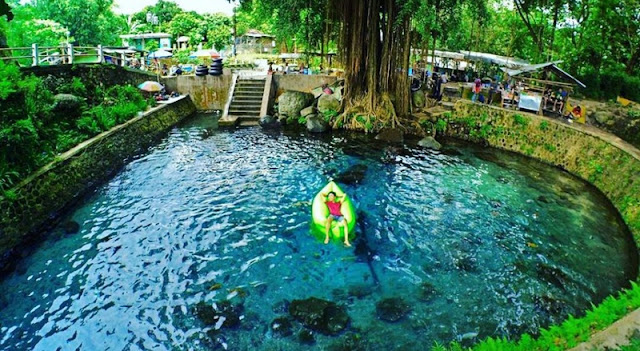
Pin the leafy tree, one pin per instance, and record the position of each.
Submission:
(165, 10)
(187, 24)
(217, 30)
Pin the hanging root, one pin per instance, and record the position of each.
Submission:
(360, 115)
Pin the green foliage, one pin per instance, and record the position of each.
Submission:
(544, 125)
(330, 115)
(441, 125)
(549, 147)
(32, 133)
(9, 76)
(302, 120)
(521, 120)
(595, 171)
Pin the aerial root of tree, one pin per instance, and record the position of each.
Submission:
(369, 114)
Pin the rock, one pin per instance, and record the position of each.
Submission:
(281, 327)
(360, 291)
(549, 304)
(353, 175)
(418, 99)
(552, 275)
(465, 262)
(320, 315)
(392, 309)
(391, 135)
(68, 104)
(427, 292)
(280, 307)
(306, 337)
(307, 111)
(292, 102)
(601, 117)
(269, 122)
(221, 314)
(430, 143)
(328, 103)
(71, 227)
(543, 199)
(315, 124)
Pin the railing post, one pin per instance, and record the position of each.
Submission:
(123, 57)
(100, 54)
(34, 54)
(70, 53)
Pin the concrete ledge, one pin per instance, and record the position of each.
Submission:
(46, 194)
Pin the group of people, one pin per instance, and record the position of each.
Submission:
(506, 89)
(557, 99)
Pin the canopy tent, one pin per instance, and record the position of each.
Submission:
(547, 66)
(160, 54)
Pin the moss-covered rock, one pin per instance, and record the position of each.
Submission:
(320, 315)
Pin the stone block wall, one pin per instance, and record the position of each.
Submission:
(603, 160)
(207, 92)
(91, 74)
(45, 195)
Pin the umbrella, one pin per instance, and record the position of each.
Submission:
(205, 53)
(160, 54)
(151, 86)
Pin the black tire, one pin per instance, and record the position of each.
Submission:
(215, 72)
(218, 67)
(218, 60)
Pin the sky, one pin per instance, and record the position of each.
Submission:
(201, 6)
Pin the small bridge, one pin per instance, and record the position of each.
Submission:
(66, 55)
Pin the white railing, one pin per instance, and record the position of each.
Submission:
(66, 54)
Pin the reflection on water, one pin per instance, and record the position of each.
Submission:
(477, 242)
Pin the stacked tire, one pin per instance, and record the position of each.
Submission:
(216, 67)
(202, 70)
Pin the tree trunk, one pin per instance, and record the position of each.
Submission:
(556, 12)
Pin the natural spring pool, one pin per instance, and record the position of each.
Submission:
(476, 242)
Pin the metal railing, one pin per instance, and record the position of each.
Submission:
(63, 55)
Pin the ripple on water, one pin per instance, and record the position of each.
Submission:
(477, 242)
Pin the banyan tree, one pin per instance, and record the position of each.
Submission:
(374, 45)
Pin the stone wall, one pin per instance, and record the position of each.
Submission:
(91, 74)
(207, 92)
(298, 82)
(45, 195)
(607, 162)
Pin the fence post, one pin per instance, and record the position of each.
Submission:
(123, 57)
(100, 54)
(70, 54)
(34, 54)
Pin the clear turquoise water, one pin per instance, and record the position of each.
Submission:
(509, 245)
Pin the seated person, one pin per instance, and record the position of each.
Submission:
(326, 89)
(560, 100)
(546, 97)
(575, 113)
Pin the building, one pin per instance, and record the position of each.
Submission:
(255, 42)
(139, 41)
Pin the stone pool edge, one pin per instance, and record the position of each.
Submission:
(602, 159)
(45, 195)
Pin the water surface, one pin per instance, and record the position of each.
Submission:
(508, 245)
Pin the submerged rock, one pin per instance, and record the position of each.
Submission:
(306, 337)
(269, 122)
(315, 124)
(430, 143)
(320, 315)
(360, 291)
(353, 175)
(281, 327)
(219, 315)
(427, 292)
(71, 227)
(552, 275)
(391, 135)
(392, 309)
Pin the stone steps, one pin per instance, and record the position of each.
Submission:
(246, 103)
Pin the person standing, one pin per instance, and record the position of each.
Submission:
(477, 88)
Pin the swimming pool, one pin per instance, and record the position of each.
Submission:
(460, 244)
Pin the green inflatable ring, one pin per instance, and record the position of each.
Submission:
(320, 213)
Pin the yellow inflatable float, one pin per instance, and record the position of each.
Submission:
(320, 213)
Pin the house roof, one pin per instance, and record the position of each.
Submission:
(257, 34)
(146, 36)
(550, 66)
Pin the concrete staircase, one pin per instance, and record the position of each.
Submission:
(247, 101)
